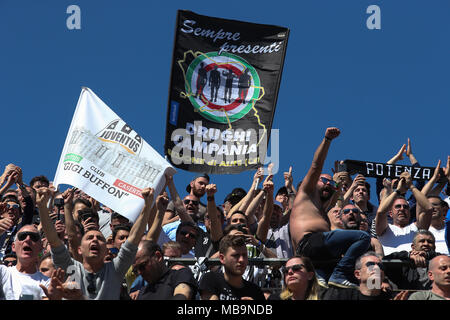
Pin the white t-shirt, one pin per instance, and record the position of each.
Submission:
(396, 239)
(22, 286)
(439, 235)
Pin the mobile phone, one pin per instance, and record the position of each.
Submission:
(59, 202)
(86, 216)
(342, 167)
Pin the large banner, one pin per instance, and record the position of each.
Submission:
(223, 91)
(384, 170)
(107, 159)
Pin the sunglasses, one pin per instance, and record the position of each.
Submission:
(35, 237)
(9, 263)
(354, 210)
(295, 268)
(372, 264)
(194, 202)
(12, 206)
(332, 183)
(191, 235)
(399, 206)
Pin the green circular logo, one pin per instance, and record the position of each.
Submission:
(222, 88)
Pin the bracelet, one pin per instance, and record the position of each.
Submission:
(210, 198)
(326, 138)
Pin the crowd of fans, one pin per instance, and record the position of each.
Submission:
(326, 237)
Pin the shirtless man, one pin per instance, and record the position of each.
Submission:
(310, 226)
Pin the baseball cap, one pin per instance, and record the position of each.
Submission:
(278, 203)
(282, 190)
(236, 195)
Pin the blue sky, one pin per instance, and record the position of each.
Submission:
(378, 86)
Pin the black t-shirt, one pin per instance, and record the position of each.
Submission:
(214, 282)
(164, 288)
(336, 293)
(203, 243)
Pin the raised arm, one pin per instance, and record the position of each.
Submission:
(264, 223)
(424, 208)
(42, 196)
(213, 213)
(155, 224)
(178, 203)
(427, 189)
(381, 222)
(138, 229)
(245, 202)
(310, 181)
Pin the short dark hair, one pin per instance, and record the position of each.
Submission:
(83, 201)
(41, 178)
(119, 227)
(116, 215)
(238, 212)
(231, 241)
(149, 247)
(425, 233)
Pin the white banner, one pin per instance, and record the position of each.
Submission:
(107, 159)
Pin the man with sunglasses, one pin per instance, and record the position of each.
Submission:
(10, 208)
(96, 279)
(399, 235)
(310, 227)
(22, 281)
(369, 270)
(162, 282)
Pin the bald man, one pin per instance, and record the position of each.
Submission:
(439, 273)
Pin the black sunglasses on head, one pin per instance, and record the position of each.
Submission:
(35, 237)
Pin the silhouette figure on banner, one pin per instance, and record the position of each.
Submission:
(243, 85)
(214, 83)
(201, 79)
(229, 77)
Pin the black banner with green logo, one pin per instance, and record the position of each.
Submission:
(223, 91)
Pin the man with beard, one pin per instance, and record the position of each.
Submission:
(310, 227)
(208, 234)
(196, 188)
(230, 285)
(162, 283)
(412, 275)
(399, 235)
